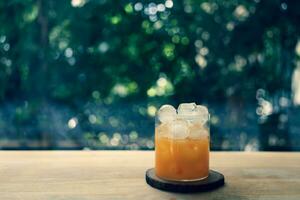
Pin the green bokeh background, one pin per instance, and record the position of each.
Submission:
(91, 73)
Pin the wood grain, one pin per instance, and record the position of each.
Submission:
(91, 175)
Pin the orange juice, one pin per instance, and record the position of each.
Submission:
(182, 142)
(183, 159)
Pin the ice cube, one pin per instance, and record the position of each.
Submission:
(179, 129)
(197, 131)
(186, 108)
(202, 114)
(166, 113)
(163, 130)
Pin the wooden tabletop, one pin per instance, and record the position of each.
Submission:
(94, 175)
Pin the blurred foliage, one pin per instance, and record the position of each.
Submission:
(102, 52)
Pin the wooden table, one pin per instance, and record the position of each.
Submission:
(94, 175)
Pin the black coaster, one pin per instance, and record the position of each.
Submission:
(213, 181)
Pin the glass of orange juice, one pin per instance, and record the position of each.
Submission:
(182, 142)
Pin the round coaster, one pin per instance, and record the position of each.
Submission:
(213, 181)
